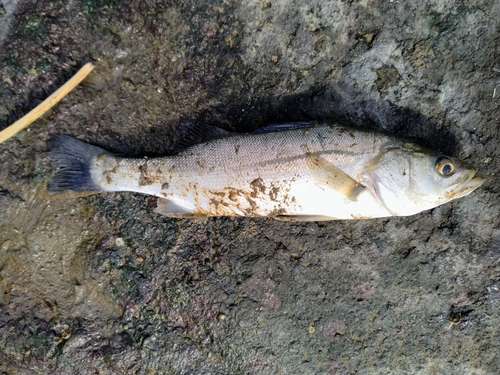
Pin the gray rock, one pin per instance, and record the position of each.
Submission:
(103, 284)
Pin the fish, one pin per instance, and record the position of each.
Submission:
(291, 172)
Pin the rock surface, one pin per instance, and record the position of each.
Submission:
(102, 284)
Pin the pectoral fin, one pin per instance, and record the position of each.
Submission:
(329, 176)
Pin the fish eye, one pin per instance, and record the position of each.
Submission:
(445, 166)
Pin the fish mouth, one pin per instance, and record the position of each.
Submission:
(470, 183)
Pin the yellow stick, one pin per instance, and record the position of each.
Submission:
(47, 104)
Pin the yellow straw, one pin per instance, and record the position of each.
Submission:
(47, 104)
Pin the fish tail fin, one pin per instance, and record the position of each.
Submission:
(74, 160)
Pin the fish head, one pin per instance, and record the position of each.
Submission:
(410, 179)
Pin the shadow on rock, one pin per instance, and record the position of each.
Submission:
(339, 104)
(333, 104)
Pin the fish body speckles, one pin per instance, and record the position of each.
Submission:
(319, 173)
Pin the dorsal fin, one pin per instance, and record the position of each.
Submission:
(199, 133)
(196, 133)
(282, 127)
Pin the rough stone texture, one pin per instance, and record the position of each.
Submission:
(104, 285)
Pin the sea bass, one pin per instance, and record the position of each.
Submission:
(299, 173)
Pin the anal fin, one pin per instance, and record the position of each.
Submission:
(173, 209)
(304, 218)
